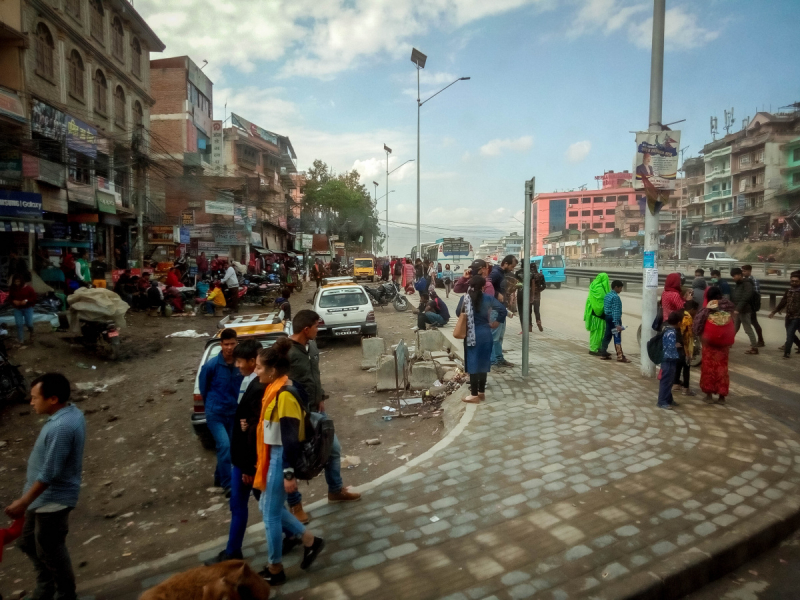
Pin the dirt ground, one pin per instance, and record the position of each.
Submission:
(147, 480)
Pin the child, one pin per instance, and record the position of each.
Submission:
(215, 298)
(687, 351)
(671, 345)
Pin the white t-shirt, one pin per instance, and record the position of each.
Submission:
(230, 278)
(245, 384)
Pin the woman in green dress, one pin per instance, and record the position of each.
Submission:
(593, 316)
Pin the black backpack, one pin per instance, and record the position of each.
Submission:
(655, 348)
(316, 448)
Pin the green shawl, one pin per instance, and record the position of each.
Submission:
(597, 293)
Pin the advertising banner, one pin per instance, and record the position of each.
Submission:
(216, 145)
(254, 130)
(11, 105)
(81, 137)
(47, 121)
(241, 212)
(21, 205)
(187, 218)
(106, 202)
(219, 207)
(228, 236)
(185, 236)
(161, 235)
(656, 159)
(211, 248)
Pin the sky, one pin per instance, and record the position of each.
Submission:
(556, 88)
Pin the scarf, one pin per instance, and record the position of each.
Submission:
(594, 303)
(262, 467)
(702, 315)
(471, 340)
(673, 283)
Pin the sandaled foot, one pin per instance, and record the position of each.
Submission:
(482, 396)
(471, 399)
(752, 350)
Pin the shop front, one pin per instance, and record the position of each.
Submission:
(20, 222)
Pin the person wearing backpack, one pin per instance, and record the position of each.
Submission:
(742, 297)
(282, 430)
(747, 271)
(669, 365)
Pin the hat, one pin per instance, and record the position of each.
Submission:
(476, 264)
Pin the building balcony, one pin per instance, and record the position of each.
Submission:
(716, 194)
(718, 174)
(725, 150)
(695, 180)
(751, 189)
(752, 167)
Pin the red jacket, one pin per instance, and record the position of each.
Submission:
(24, 292)
(173, 280)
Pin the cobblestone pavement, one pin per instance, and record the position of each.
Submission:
(568, 484)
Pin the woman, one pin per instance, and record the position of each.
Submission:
(22, 298)
(478, 344)
(408, 273)
(431, 276)
(672, 298)
(447, 278)
(716, 320)
(593, 316)
(281, 431)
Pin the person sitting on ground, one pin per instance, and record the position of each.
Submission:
(429, 316)
(124, 287)
(215, 298)
(155, 297)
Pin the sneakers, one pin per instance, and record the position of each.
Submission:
(310, 553)
(665, 406)
(299, 513)
(343, 495)
(222, 557)
(505, 363)
(752, 350)
(271, 578)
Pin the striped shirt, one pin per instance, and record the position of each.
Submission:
(57, 458)
(612, 307)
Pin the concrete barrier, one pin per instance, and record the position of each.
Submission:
(429, 341)
(371, 351)
(386, 373)
(423, 374)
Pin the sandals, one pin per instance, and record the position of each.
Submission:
(752, 351)
(471, 399)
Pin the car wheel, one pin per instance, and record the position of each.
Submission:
(558, 286)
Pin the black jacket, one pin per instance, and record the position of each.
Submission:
(304, 372)
(244, 452)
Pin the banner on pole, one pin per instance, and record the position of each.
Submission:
(656, 159)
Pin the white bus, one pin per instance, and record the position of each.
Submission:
(456, 252)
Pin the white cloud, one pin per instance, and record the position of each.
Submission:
(497, 146)
(682, 31)
(578, 151)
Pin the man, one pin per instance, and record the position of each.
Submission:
(699, 285)
(82, 270)
(787, 235)
(232, 281)
(644, 168)
(718, 281)
(202, 265)
(52, 487)
(435, 313)
(316, 272)
(791, 302)
(498, 278)
(385, 270)
(478, 267)
(304, 372)
(612, 309)
(124, 287)
(244, 453)
(220, 381)
(742, 298)
(397, 271)
(142, 287)
(538, 285)
(747, 271)
(216, 264)
(419, 270)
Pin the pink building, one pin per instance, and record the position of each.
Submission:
(611, 179)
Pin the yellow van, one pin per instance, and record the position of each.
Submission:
(364, 268)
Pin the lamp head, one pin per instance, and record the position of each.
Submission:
(418, 58)
(465, 79)
(385, 147)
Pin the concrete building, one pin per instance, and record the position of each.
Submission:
(489, 250)
(618, 179)
(789, 194)
(512, 244)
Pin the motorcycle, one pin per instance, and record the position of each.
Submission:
(13, 387)
(101, 336)
(764, 258)
(386, 293)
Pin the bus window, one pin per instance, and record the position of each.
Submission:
(553, 261)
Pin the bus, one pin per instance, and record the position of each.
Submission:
(456, 252)
(552, 267)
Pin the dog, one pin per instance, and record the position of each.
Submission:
(229, 580)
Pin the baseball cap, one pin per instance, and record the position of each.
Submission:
(478, 264)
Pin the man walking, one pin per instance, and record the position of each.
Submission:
(538, 285)
(304, 372)
(612, 308)
(220, 381)
(498, 276)
(747, 271)
(791, 302)
(232, 281)
(742, 297)
(52, 487)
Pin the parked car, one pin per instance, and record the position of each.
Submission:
(720, 257)
(265, 328)
(344, 308)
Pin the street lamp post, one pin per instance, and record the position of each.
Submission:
(419, 59)
(388, 152)
(376, 206)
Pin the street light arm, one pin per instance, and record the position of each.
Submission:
(444, 88)
(405, 163)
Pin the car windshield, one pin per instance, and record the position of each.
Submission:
(342, 298)
(553, 261)
(723, 255)
(364, 264)
(214, 350)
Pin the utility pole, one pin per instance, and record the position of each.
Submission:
(650, 294)
(530, 186)
(388, 152)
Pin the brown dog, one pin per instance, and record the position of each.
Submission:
(229, 580)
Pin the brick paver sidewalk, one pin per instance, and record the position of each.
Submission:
(569, 484)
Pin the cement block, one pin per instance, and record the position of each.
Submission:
(430, 341)
(445, 366)
(423, 374)
(371, 350)
(385, 373)
(440, 354)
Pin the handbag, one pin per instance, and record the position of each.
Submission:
(460, 330)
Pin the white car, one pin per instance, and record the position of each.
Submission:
(344, 309)
(720, 257)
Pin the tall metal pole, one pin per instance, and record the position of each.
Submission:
(650, 294)
(419, 106)
(526, 274)
(387, 202)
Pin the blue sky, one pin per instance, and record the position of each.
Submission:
(556, 86)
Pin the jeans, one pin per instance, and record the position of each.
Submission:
(277, 517)
(43, 539)
(429, 318)
(682, 369)
(746, 320)
(668, 368)
(611, 331)
(210, 308)
(333, 473)
(221, 427)
(23, 316)
(240, 495)
(792, 327)
(497, 338)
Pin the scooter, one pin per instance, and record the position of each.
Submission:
(386, 293)
(101, 336)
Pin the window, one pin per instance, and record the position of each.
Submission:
(76, 75)
(100, 93)
(760, 156)
(74, 7)
(597, 212)
(760, 178)
(598, 199)
(611, 211)
(744, 160)
(96, 21)
(795, 178)
(138, 116)
(742, 184)
(584, 226)
(622, 198)
(597, 225)
(136, 58)
(611, 198)
(609, 225)
(121, 181)
(633, 228)
(343, 298)
(117, 37)
(575, 200)
(586, 213)
(79, 167)
(586, 200)
(44, 51)
(573, 225)
(553, 262)
(573, 213)
(119, 107)
(796, 155)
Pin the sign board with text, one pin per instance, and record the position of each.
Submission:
(216, 145)
(656, 159)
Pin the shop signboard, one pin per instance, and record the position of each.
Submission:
(11, 105)
(106, 202)
(20, 205)
(200, 232)
(81, 137)
(184, 235)
(211, 248)
(216, 145)
(240, 213)
(81, 193)
(54, 199)
(187, 218)
(219, 207)
(228, 236)
(48, 121)
(254, 130)
(161, 235)
(308, 240)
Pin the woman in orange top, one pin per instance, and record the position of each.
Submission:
(281, 431)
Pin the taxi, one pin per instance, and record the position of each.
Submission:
(344, 309)
(266, 328)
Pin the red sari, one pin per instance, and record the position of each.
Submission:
(714, 378)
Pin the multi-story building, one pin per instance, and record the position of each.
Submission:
(618, 179)
(489, 249)
(512, 244)
(83, 71)
(789, 194)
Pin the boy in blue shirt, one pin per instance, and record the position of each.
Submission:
(671, 342)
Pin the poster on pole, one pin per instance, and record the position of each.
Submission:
(656, 159)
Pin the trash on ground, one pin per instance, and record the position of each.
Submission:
(389, 408)
(372, 442)
(350, 462)
(189, 333)
(365, 411)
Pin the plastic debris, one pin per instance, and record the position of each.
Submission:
(189, 333)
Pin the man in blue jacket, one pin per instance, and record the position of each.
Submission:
(498, 278)
(220, 381)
